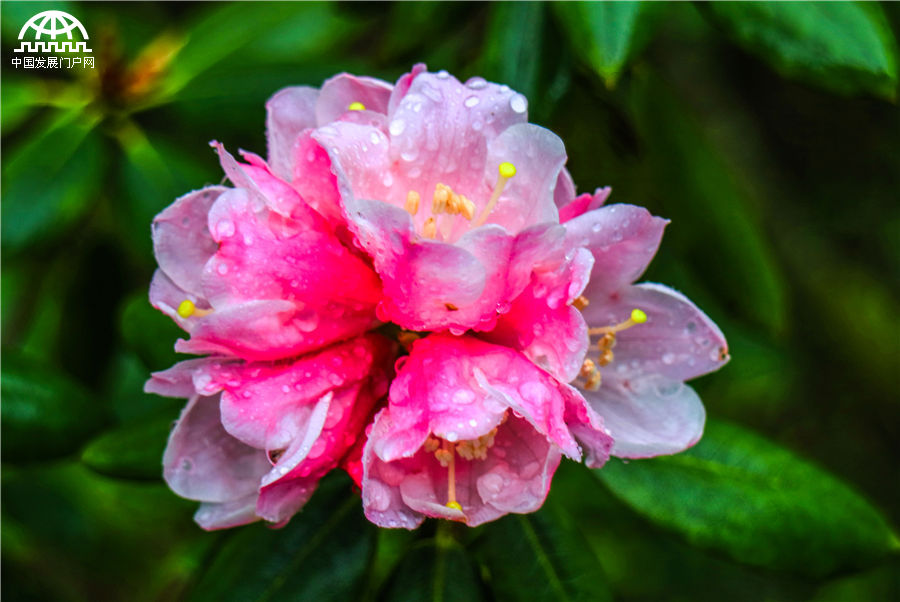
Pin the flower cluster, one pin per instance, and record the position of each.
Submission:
(410, 289)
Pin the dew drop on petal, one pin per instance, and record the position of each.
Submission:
(442, 74)
(225, 228)
(476, 83)
(388, 179)
(375, 138)
(471, 101)
(397, 126)
(668, 358)
(222, 269)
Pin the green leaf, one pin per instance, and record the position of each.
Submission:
(514, 46)
(715, 220)
(322, 554)
(149, 332)
(541, 556)
(437, 570)
(606, 34)
(52, 180)
(758, 502)
(45, 415)
(132, 451)
(844, 46)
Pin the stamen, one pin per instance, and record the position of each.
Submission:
(507, 170)
(356, 106)
(441, 199)
(429, 230)
(606, 357)
(412, 202)
(607, 341)
(637, 317)
(580, 302)
(407, 338)
(186, 309)
(591, 374)
(451, 477)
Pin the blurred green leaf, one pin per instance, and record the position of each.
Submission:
(842, 46)
(514, 45)
(132, 451)
(713, 215)
(437, 570)
(322, 554)
(149, 332)
(52, 180)
(737, 492)
(605, 34)
(45, 415)
(541, 556)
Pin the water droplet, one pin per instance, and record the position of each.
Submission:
(668, 358)
(472, 101)
(476, 83)
(222, 269)
(186, 464)
(451, 437)
(410, 154)
(225, 228)
(473, 423)
(375, 138)
(477, 125)
(492, 483)
(285, 389)
(691, 326)
(388, 179)
(463, 396)
(397, 126)
(442, 74)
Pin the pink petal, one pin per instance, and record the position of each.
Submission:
(341, 90)
(678, 340)
(177, 381)
(564, 192)
(459, 388)
(538, 155)
(166, 296)
(623, 238)
(648, 416)
(203, 462)
(313, 179)
(403, 84)
(181, 242)
(587, 427)
(288, 112)
(583, 203)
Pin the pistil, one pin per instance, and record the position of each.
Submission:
(507, 170)
(187, 308)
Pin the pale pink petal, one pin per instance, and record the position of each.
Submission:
(288, 112)
(213, 516)
(177, 381)
(403, 84)
(361, 160)
(166, 296)
(649, 415)
(339, 92)
(181, 241)
(623, 239)
(678, 340)
(203, 462)
(527, 199)
(564, 193)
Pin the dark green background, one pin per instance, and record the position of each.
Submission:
(768, 134)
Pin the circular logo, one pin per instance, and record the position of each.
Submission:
(53, 23)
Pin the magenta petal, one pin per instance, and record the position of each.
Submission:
(677, 341)
(313, 179)
(203, 462)
(339, 92)
(538, 155)
(583, 203)
(649, 416)
(623, 239)
(213, 516)
(181, 240)
(288, 112)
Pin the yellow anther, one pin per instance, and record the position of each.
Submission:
(441, 198)
(431, 444)
(467, 208)
(580, 302)
(186, 308)
(606, 357)
(429, 230)
(507, 170)
(356, 106)
(607, 341)
(588, 368)
(454, 505)
(412, 202)
(637, 317)
(590, 374)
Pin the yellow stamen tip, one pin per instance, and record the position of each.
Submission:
(454, 505)
(186, 308)
(356, 106)
(638, 316)
(507, 170)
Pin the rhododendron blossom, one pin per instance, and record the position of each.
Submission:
(432, 212)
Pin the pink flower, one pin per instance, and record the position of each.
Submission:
(473, 431)
(433, 205)
(256, 437)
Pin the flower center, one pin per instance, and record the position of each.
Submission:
(445, 452)
(446, 205)
(590, 369)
